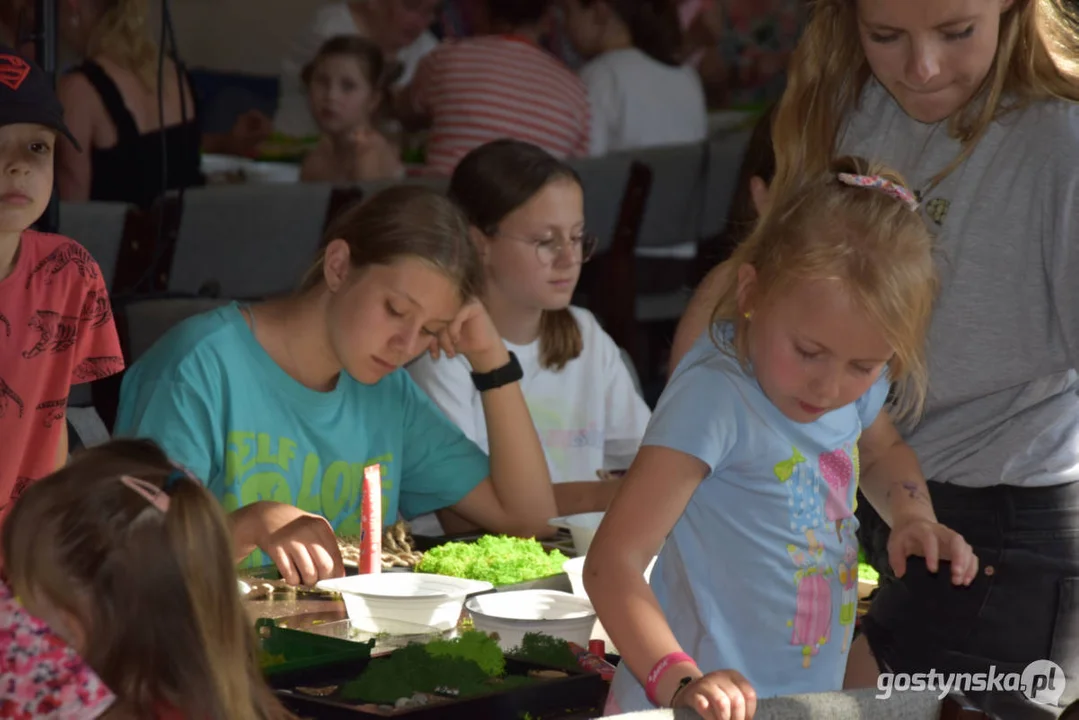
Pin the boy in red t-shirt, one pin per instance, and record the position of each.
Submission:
(56, 326)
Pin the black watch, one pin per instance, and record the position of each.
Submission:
(511, 372)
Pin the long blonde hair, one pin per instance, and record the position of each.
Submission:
(155, 592)
(1035, 60)
(870, 241)
(121, 33)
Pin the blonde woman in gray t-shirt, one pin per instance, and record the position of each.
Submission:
(976, 103)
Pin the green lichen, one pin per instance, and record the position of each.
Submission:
(867, 573)
(497, 559)
(475, 646)
(469, 665)
(411, 670)
(545, 650)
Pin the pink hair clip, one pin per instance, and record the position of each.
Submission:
(150, 492)
(876, 182)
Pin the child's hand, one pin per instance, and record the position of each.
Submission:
(302, 545)
(934, 542)
(474, 335)
(721, 695)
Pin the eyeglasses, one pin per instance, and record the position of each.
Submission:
(548, 250)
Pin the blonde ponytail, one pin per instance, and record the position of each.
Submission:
(121, 34)
(198, 536)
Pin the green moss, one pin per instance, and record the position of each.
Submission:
(867, 573)
(412, 669)
(497, 559)
(545, 650)
(469, 665)
(475, 646)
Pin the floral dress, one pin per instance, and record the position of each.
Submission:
(40, 675)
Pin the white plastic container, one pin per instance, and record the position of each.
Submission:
(417, 598)
(574, 568)
(582, 527)
(272, 172)
(514, 614)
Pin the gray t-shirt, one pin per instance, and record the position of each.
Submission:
(1003, 405)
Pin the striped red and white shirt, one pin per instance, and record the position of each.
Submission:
(487, 88)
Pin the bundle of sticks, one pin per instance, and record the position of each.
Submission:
(397, 548)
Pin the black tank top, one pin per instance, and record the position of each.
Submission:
(130, 171)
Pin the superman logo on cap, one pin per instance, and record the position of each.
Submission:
(13, 71)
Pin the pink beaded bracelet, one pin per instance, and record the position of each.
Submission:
(660, 669)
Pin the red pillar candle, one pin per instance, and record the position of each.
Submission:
(371, 540)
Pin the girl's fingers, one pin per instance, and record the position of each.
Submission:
(897, 557)
(325, 564)
(325, 551)
(965, 569)
(975, 564)
(732, 693)
(749, 695)
(930, 547)
(305, 565)
(284, 564)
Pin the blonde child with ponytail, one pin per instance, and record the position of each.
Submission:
(976, 103)
(747, 475)
(526, 212)
(129, 561)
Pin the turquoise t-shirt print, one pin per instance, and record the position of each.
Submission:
(217, 403)
(262, 466)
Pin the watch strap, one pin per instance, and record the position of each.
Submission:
(511, 372)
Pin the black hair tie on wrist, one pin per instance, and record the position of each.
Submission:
(682, 684)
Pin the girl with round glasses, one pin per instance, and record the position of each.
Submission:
(526, 212)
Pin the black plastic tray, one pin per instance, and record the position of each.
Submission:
(581, 692)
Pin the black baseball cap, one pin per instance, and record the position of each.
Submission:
(27, 96)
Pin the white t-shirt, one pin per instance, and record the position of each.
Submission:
(640, 102)
(293, 116)
(589, 415)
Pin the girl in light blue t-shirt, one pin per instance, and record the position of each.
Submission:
(749, 468)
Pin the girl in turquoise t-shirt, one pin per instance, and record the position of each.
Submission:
(279, 406)
(749, 468)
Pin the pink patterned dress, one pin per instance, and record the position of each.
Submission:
(40, 675)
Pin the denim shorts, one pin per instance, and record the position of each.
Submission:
(1022, 606)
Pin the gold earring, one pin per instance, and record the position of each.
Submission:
(748, 315)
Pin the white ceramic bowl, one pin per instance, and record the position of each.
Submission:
(392, 634)
(514, 614)
(574, 568)
(417, 598)
(582, 527)
(272, 172)
(220, 164)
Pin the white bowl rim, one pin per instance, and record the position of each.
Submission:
(462, 586)
(585, 609)
(568, 522)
